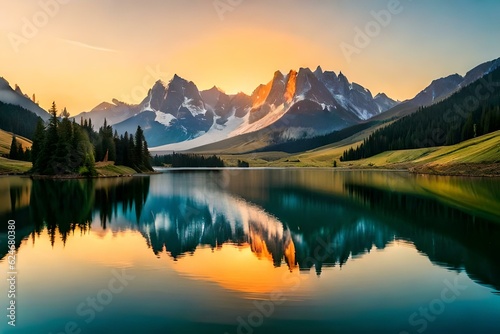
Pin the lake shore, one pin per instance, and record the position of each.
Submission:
(104, 170)
(109, 170)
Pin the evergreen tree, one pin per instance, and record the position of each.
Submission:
(65, 113)
(146, 158)
(63, 147)
(17, 120)
(106, 144)
(14, 149)
(445, 123)
(468, 129)
(83, 153)
(131, 153)
(139, 148)
(17, 152)
(47, 159)
(38, 139)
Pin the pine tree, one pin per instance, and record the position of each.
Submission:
(106, 144)
(147, 157)
(132, 162)
(46, 160)
(83, 152)
(468, 129)
(14, 149)
(64, 147)
(38, 139)
(139, 148)
(65, 113)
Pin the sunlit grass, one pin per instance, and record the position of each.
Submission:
(110, 169)
(6, 140)
(8, 166)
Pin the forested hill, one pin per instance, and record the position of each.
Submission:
(17, 120)
(471, 112)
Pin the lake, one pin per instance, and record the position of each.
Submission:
(253, 251)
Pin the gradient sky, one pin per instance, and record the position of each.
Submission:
(91, 51)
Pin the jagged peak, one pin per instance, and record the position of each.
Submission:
(18, 89)
(278, 75)
(177, 78)
(319, 70)
(241, 94)
(330, 73)
(381, 95)
(305, 70)
(4, 84)
(258, 89)
(342, 77)
(215, 88)
(160, 83)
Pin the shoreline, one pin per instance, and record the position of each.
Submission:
(483, 170)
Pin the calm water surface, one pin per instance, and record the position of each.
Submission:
(254, 251)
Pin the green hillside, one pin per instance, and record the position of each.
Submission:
(471, 112)
(6, 140)
(478, 156)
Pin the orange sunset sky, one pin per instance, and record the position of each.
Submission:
(81, 53)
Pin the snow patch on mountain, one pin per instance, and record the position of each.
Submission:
(194, 110)
(147, 105)
(216, 133)
(266, 121)
(163, 118)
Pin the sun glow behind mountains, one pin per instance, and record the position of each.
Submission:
(91, 51)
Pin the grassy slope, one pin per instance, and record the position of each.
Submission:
(109, 169)
(484, 149)
(320, 157)
(476, 156)
(6, 140)
(8, 166)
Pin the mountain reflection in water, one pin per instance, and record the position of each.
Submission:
(301, 220)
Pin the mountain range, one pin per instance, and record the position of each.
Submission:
(15, 96)
(439, 90)
(177, 116)
(294, 105)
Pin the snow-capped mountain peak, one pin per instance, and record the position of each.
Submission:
(300, 103)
